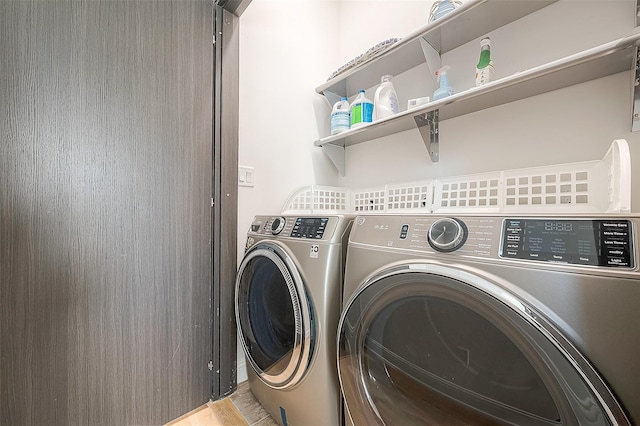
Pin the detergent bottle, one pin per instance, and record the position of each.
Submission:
(361, 110)
(445, 89)
(340, 116)
(385, 101)
(441, 8)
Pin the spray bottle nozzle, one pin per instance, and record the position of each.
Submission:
(442, 71)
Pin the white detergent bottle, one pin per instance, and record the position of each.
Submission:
(361, 110)
(340, 116)
(445, 89)
(385, 100)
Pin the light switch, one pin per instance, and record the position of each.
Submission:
(245, 176)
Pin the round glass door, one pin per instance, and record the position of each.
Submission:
(274, 316)
(430, 348)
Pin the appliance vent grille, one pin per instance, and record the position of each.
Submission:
(549, 189)
(414, 197)
(471, 192)
(602, 186)
(369, 200)
(316, 199)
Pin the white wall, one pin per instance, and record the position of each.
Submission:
(573, 124)
(289, 47)
(365, 23)
(285, 52)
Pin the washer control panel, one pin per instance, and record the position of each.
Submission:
(309, 227)
(291, 227)
(602, 242)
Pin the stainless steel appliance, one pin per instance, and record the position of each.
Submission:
(491, 320)
(288, 300)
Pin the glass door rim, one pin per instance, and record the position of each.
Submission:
(303, 313)
(476, 281)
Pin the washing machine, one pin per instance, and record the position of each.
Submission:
(476, 320)
(288, 301)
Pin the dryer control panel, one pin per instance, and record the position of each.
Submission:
(605, 243)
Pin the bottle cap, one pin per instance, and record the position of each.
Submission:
(443, 70)
(485, 42)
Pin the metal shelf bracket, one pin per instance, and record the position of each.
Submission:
(432, 57)
(332, 97)
(428, 125)
(336, 154)
(635, 123)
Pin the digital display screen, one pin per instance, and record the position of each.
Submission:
(581, 242)
(309, 227)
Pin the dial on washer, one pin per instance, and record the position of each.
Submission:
(277, 225)
(447, 234)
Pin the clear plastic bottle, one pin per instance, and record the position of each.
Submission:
(485, 70)
(340, 116)
(361, 110)
(385, 100)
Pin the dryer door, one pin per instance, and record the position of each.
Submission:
(274, 315)
(428, 344)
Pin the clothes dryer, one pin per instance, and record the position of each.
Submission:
(518, 320)
(288, 300)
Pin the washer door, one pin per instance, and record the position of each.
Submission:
(274, 315)
(427, 344)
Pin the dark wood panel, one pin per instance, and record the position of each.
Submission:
(226, 201)
(105, 217)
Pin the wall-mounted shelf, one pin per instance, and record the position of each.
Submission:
(468, 22)
(607, 59)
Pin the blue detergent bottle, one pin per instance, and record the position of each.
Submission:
(361, 110)
(441, 8)
(445, 89)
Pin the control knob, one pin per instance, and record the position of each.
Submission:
(447, 234)
(277, 225)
